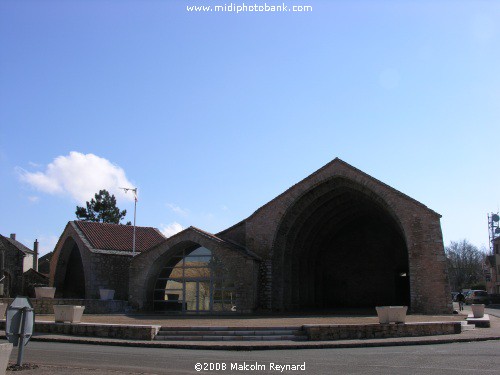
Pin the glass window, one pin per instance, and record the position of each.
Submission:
(194, 281)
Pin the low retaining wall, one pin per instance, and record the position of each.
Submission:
(115, 331)
(326, 332)
(92, 306)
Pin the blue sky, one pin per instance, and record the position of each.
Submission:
(213, 114)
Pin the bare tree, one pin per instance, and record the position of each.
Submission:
(465, 264)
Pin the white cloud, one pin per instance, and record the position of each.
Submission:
(80, 176)
(33, 199)
(178, 210)
(170, 229)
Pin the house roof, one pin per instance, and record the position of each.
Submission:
(7, 241)
(116, 237)
(40, 275)
(46, 257)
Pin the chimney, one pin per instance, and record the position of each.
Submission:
(12, 236)
(35, 255)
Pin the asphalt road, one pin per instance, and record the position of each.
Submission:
(76, 359)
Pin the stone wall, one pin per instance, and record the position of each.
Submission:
(108, 271)
(379, 331)
(92, 306)
(113, 331)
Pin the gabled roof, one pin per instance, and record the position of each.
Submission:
(116, 237)
(9, 242)
(333, 164)
(40, 275)
(44, 263)
(228, 244)
(47, 257)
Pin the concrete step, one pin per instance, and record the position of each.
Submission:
(232, 338)
(231, 334)
(228, 333)
(234, 328)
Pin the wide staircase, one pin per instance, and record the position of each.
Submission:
(231, 334)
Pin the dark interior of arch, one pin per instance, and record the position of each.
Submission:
(342, 249)
(70, 276)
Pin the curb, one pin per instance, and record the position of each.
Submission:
(251, 347)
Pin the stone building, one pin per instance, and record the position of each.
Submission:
(90, 256)
(44, 264)
(31, 280)
(338, 238)
(17, 259)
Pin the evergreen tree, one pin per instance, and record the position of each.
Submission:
(101, 209)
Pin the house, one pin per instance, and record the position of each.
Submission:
(44, 264)
(17, 259)
(89, 256)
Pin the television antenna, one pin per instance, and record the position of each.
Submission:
(134, 190)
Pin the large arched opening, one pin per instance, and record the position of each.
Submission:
(193, 279)
(69, 277)
(340, 246)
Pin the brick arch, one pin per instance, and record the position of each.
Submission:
(145, 268)
(323, 243)
(160, 262)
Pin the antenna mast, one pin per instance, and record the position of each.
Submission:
(493, 228)
(134, 190)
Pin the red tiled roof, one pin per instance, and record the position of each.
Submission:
(119, 237)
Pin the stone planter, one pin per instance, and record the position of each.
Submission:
(397, 314)
(45, 292)
(68, 313)
(3, 309)
(5, 350)
(478, 310)
(388, 314)
(107, 294)
(383, 314)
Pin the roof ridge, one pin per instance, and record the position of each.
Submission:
(337, 160)
(111, 224)
(116, 237)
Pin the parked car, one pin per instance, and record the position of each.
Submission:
(477, 296)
